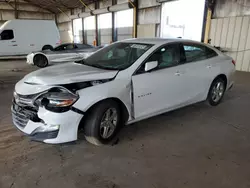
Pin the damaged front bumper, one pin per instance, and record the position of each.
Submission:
(30, 58)
(45, 126)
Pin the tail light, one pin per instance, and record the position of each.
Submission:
(233, 62)
(59, 42)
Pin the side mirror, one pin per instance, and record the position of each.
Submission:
(151, 65)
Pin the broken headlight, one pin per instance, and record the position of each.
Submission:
(57, 100)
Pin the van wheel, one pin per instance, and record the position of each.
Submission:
(47, 47)
(41, 61)
(102, 123)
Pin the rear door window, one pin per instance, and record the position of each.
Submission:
(83, 46)
(65, 47)
(196, 52)
(61, 47)
(70, 47)
(7, 35)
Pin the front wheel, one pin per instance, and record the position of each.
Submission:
(216, 92)
(102, 123)
(41, 61)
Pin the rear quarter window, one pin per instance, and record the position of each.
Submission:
(196, 52)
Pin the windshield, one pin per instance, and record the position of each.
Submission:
(118, 56)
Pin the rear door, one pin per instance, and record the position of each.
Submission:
(201, 68)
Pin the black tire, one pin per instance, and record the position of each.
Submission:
(211, 95)
(47, 47)
(40, 60)
(92, 124)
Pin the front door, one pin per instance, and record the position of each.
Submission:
(8, 43)
(160, 89)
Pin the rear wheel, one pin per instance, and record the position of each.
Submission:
(102, 123)
(216, 92)
(41, 61)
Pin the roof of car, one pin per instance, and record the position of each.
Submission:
(158, 40)
(68, 43)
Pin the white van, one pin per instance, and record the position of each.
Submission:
(20, 37)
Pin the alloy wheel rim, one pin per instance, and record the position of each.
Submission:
(108, 123)
(218, 91)
(42, 61)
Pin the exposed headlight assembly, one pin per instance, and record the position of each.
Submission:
(81, 85)
(57, 100)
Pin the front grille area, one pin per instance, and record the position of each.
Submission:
(19, 117)
(23, 111)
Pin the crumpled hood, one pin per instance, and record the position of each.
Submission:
(66, 74)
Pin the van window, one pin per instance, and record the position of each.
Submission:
(7, 35)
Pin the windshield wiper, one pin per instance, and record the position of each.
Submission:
(101, 67)
(81, 62)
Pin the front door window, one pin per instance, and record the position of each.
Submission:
(7, 35)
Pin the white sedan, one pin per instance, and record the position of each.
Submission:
(120, 84)
(60, 54)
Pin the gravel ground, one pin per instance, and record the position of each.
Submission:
(197, 146)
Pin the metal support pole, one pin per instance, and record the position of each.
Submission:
(134, 5)
(16, 11)
(72, 25)
(209, 8)
(96, 25)
(83, 32)
(208, 25)
(114, 29)
(56, 20)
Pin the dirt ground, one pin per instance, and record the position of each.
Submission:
(195, 147)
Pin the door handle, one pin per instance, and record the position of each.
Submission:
(13, 41)
(14, 45)
(209, 66)
(177, 73)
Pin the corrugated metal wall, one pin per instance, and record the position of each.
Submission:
(233, 35)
